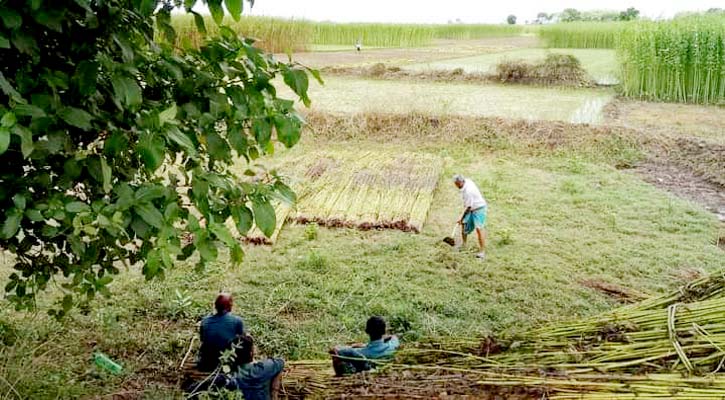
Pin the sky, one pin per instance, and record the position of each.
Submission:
(469, 11)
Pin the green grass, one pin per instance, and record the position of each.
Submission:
(347, 95)
(601, 64)
(553, 221)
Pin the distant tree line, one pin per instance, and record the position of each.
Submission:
(572, 14)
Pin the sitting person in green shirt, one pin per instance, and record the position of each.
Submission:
(356, 358)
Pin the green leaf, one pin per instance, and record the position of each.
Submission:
(168, 116)
(147, 7)
(86, 76)
(298, 81)
(115, 143)
(12, 224)
(10, 91)
(11, 19)
(25, 43)
(29, 110)
(152, 149)
(77, 207)
(4, 42)
(76, 117)
(285, 193)
(218, 147)
(8, 120)
(237, 254)
(288, 130)
(106, 175)
(34, 215)
(150, 214)
(243, 219)
(222, 233)
(217, 12)
(182, 140)
(316, 74)
(199, 21)
(126, 90)
(262, 131)
(4, 140)
(50, 19)
(26, 140)
(264, 216)
(235, 8)
(207, 250)
(238, 140)
(148, 193)
(19, 201)
(152, 268)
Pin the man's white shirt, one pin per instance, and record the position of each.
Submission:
(472, 198)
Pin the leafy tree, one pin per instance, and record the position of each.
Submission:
(511, 19)
(570, 15)
(629, 14)
(114, 145)
(543, 17)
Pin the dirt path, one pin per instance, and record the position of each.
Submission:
(685, 184)
(441, 50)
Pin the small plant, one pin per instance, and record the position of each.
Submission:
(315, 262)
(505, 237)
(180, 306)
(311, 231)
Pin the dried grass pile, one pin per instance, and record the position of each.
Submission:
(555, 69)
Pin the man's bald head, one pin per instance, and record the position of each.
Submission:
(223, 303)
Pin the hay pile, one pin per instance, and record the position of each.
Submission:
(669, 347)
(362, 190)
(555, 69)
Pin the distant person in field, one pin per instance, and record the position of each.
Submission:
(358, 45)
(356, 358)
(474, 214)
(259, 380)
(217, 332)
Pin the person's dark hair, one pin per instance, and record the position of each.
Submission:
(223, 303)
(243, 349)
(375, 327)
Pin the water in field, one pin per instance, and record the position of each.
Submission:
(590, 112)
(349, 95)
(600, 64)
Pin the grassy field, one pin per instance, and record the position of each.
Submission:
(347, 95)
(564, 209)
(555, 220)
(601, 64)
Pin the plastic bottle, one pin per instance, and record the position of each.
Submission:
(104, 362)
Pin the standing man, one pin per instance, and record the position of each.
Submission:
(218, 332)
(474, 215)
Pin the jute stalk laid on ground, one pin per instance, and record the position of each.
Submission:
(668, 347)
(370, 190)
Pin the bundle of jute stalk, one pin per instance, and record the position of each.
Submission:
(682, 331)
(668, 347)
(366, 190)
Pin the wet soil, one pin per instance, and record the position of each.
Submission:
(685, 184)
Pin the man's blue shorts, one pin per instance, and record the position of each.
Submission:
(475, 219)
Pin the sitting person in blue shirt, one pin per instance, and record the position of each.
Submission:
(353, 359)
(217, 333)
(259, 380)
